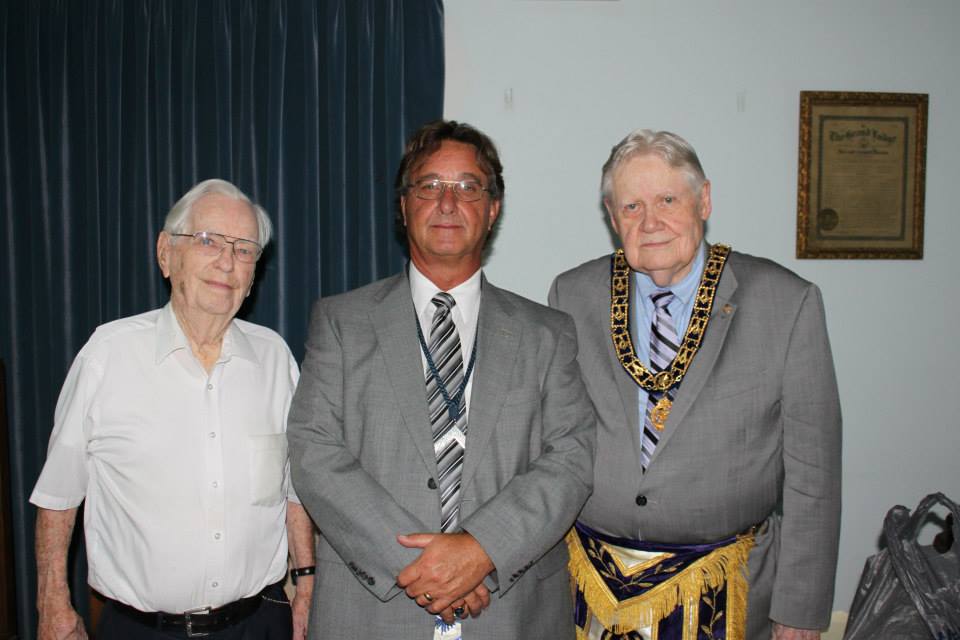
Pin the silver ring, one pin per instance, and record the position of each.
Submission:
(428, 597)
(458, 612)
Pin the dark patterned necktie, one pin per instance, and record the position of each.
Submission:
(448, 430)
(664, 344)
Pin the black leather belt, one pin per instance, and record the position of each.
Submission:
(197, 622)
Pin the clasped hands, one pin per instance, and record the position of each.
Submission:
(448, 575)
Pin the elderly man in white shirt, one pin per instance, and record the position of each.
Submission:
(171, 425)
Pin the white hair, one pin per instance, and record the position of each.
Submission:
(669, 147)
(179, 216)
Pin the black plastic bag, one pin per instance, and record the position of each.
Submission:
(909, 591)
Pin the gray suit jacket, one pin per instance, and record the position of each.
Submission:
(754, 433)
(362, 457)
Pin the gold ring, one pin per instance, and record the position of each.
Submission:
(428, 597)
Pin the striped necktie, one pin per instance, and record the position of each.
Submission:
(663, 348)
(448, 431)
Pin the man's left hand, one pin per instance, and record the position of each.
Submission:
(449, 568)
(300, 606)
(781, 632)
(472, 605)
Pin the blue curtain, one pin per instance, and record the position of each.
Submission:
(111, 109)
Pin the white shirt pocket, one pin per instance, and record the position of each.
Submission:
(268, 461)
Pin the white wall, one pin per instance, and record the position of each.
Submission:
(727, 76)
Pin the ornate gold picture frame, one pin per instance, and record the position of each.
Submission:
(861, 172)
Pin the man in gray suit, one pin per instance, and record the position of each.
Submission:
(441, 436)
(718, 449)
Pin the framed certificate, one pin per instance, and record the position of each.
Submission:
(860, 183)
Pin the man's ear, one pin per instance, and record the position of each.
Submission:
(164, 249)
(403, 209)
(705, 205)
(613, 219)
(494, 213)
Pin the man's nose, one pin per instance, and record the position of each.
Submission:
(448, 199)
(650, 221)
(226, 260)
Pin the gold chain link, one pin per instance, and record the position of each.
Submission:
(620, 321)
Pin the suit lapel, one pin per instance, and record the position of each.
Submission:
(627, 388)
(498, 335)
(393, 321)
(699, 371)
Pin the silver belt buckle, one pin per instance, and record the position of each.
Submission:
(188, 620)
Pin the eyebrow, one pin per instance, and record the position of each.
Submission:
(463, 176)
(226, 236)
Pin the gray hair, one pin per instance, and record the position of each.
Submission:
(179, 216)
(669, 147)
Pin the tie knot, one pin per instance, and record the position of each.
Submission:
(444, 299)
(661, 299)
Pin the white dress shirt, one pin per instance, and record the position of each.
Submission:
(466, 314)
(184, 473)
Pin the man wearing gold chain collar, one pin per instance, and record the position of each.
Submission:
(716, 503)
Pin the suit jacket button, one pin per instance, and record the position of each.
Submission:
(371, 581)
(431, 484)
(642, 501)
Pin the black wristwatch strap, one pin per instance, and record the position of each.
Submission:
(302, 571)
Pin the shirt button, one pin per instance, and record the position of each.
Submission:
(214, 584)
(215, 484)
(210, 387)
(642, 500)
(212, 434)
(216, 536)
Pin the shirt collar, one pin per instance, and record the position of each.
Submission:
(170, 337)
(684, 289)
(467, 293)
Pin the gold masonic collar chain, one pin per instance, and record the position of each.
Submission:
(623, 344)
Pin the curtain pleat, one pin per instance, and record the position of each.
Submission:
(112, 109)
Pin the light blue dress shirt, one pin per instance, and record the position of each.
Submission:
(642, 312)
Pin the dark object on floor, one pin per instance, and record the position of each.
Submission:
(909, 591)
(944, 540)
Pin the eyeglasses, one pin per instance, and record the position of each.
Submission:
(212, 244)
(433, 188)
